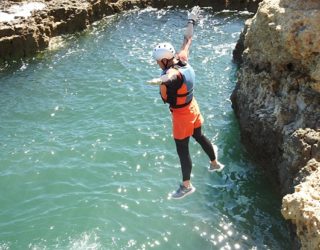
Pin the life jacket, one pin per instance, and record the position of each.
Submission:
(179, 96)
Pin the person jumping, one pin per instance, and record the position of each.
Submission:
(177, 82)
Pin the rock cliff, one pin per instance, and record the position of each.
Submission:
(25, 30)
(277, 102)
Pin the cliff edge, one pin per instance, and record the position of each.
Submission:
(277, 102)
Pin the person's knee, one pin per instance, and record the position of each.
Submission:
(182, 145)
(184, 141)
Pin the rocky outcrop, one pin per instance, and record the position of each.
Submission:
(23, 36)
(277, 102)
(303, 208)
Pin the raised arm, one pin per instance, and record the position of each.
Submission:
(192, 18)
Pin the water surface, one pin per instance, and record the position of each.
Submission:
(87, 157)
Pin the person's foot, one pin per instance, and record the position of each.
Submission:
(217, 167)
(183, 191)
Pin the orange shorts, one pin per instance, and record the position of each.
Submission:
(185, 120)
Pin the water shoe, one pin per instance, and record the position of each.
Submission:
(183, 191)
(218, 167)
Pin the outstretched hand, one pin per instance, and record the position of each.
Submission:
(155, 81)
(194, 14)
(158, 80)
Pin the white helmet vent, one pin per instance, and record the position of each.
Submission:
(163, 51)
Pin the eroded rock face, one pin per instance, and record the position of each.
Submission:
(277, 101)
(22, 36)
(303, 208)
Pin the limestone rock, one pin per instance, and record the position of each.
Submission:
(277, 102)
(291, 31)
(277, 91)
(303, 208)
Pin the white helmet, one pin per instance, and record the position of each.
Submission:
(163, 51)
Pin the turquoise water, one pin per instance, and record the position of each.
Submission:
(87, 157)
